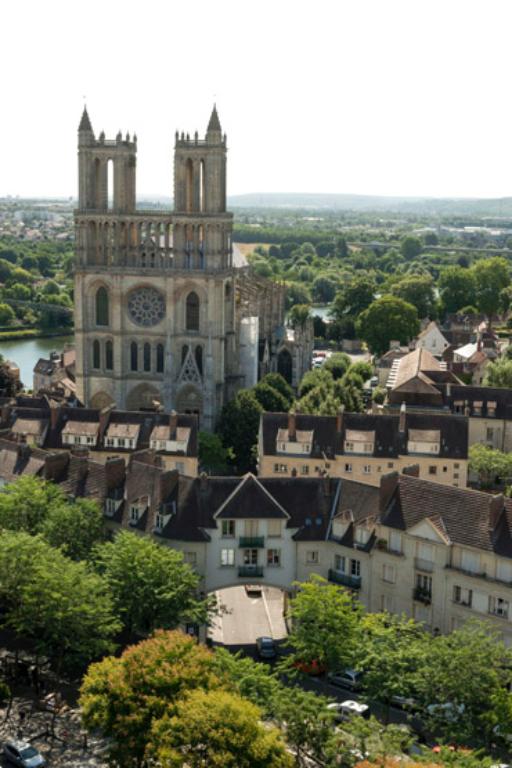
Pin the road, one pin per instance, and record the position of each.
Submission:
(245, 617)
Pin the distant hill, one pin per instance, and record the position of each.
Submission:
(498, 207)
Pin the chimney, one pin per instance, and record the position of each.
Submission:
(23, 448)
(6, 412)
(54, 414)
(80, 451)
(291, 426)
(401, 422)
(115, 472)
(173, 425)
(413, 470)
(103, 419)
(54, 464)
(339, 418)
(388, 485)
(495, 510)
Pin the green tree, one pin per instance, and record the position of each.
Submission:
(5, 270)
(20, 275)
(297, 293)
(491, 277)
(299, 314)
(75, 527)
(325, 624)
(323, 289)
(490, 464)
(18, 291)
(122, 697)
(337, 364)
(238, 427)
(410, 247)
(51, 288)
(499, 374)
(463, 669)
(386, 319)
(365, 370)
(25, 504)
(417, 290)
(65, 609)
(269, 398)
(150, 584)
(354, 298)
(392, 651)
(457, 288)
(306, 722)
(6, 314)
(313, 379)
(276, 381)
(213, 455)
(218, 729)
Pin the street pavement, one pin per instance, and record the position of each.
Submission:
(244, 617)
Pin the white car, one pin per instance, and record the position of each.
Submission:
(23, 754)
(348, 709)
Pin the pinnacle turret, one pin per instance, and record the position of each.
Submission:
(85, 123)
(214, 124)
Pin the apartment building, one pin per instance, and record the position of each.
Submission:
(436, 553)
(363, 447)
(46, 423)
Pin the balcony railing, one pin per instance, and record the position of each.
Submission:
(252, 542)
(250, 571)
(338, 577)
(422, 595)
(423, 565)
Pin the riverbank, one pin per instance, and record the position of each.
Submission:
(30, 333)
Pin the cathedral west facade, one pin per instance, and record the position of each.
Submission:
(163, 315)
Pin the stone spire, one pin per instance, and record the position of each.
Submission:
(85, 123)
(214, 131)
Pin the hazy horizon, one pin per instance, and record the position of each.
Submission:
(364, 97)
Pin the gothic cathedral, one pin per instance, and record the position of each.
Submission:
(167, 314)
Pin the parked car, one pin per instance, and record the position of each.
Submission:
(23, 754)
(348, 709)
(404, 702)
(448, 711)
(313, 667)
(266, 648)
(254, 590)
(347, 678)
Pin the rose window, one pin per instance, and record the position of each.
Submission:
(146, 306)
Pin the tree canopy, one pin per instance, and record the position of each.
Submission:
(386, 319)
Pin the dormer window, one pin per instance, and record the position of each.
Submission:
(491, 408)
(477, 408)
(299, 442)
(424, 441)
(361, 535)
(359, 442)
(134, 515)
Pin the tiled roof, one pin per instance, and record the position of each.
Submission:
(250, 499)
(466, 517)
(389, 442)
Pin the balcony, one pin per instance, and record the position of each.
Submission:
(250, 571)
(426, 566)
(251, 542)
(422, 595)
(338, 577)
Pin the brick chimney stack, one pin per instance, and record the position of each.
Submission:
(401, 422)
(388, 485)
(291, 425)
(339, 418)
(173, 425)
(54, 414)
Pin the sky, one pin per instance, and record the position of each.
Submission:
(387, 97)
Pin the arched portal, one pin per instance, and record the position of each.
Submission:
(143, 397)
(101, 400)
(189, 400)
(285, 365)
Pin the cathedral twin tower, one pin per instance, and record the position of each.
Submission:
(162, 315)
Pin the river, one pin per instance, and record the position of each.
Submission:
(26, 352)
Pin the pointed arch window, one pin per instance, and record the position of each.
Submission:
(102, 306)
(147, 356)
(159, 358)
(199, 359)
(134, 356)
(192, 312)
(109, 356)
(96, 356)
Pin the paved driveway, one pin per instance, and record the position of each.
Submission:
(245, 617)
